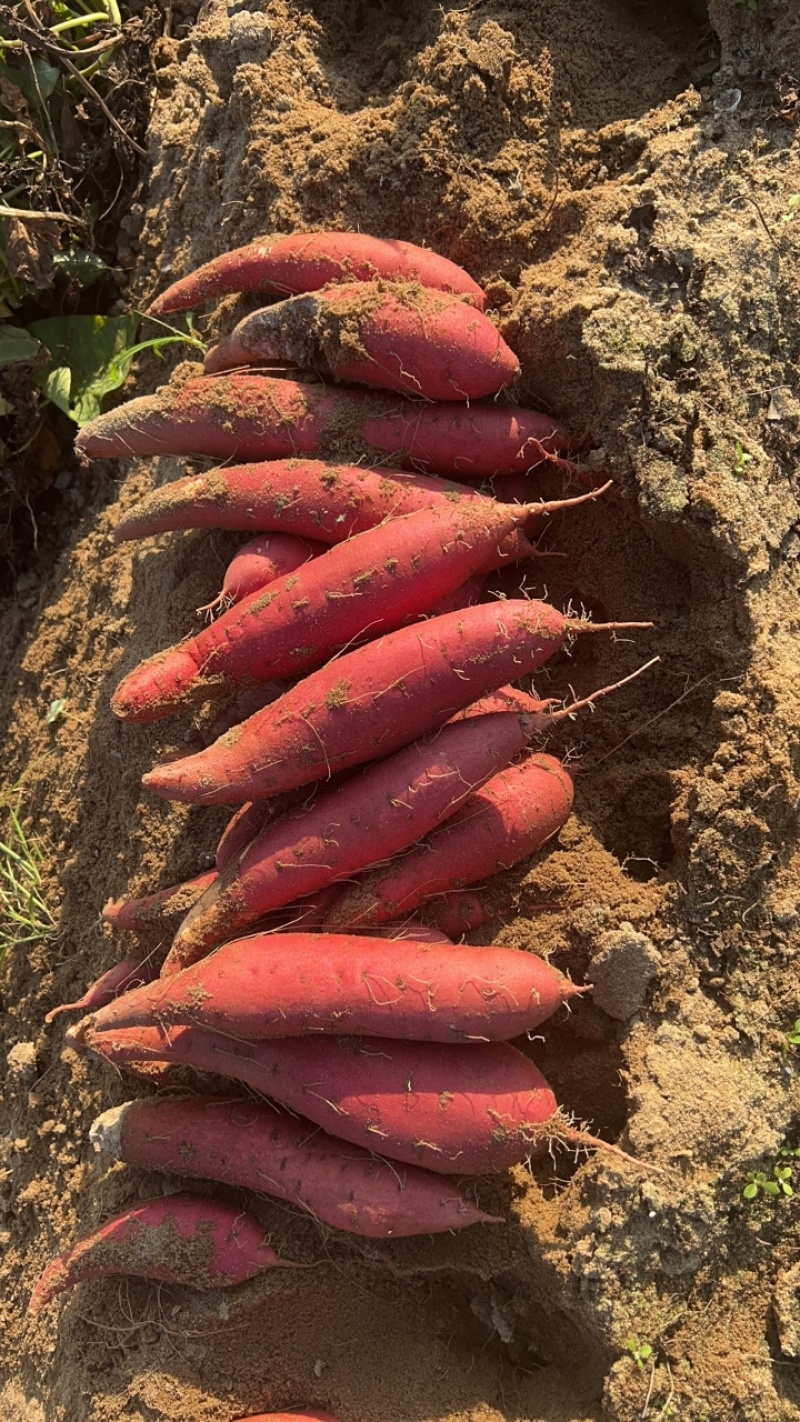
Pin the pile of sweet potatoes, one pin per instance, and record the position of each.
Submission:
(379, 756)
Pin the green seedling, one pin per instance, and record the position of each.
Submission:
(640, 1352)
(792, 1037)
(56, 711)
(742, 459)
(777, 1184)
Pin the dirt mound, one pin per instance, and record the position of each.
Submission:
(619, 178)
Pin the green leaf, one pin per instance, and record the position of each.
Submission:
(84, 267)
(95, 352)
(770, 1188)
(47, 77)
(57, 710)
(17, 344)
(56, 384)
(750, 1191)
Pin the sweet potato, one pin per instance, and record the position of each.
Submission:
(130, 973)
(456, 913)
(292, 984)
(372, 584)
(368, 818)
(310, 499)
(290, 1417)
(370, 701)
(500, 825)
(137, 915)
(307, 261)
(425, 1103)
(243, 827)
(515, 813)
(263, 1148)
(183, 1239)
(258, 417)
(406, 337)
(262, 561)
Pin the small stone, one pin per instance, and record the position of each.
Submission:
(621, 971)
(22, 1059)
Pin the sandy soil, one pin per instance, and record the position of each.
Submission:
(636, 235)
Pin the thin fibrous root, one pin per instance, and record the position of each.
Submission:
(567, 711)
(546, 507)
(577, 624)
(564, 1134)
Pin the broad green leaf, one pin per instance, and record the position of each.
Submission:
(17, 344)
(56, 384)
(56, 711)
(94, 349)
(47, 76)
(34, 90)
(85, 267)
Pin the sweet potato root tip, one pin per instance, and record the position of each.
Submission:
(133, 972)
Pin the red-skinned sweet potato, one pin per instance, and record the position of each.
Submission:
(261, 561)
(183, 1239)
(310, 499)
(507, 821)
(370, 701)
(357, 590)
(290, 1417)
(501, 825)
(307, 261)
(137, 915)
(259, 1147)
(403, 337)
(257, 417)
(293, 984)
(457, 913)
(132, 972)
